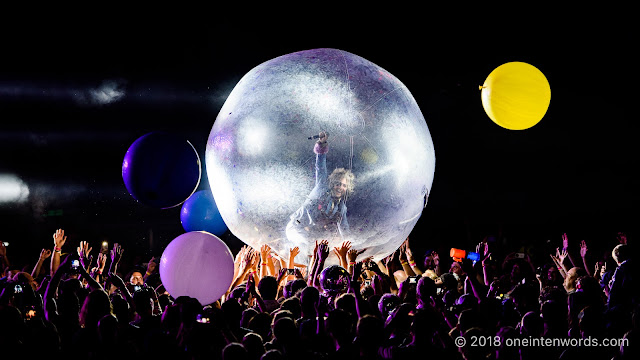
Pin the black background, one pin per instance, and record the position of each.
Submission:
(572, 172)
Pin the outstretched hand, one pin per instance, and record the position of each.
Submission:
(565, 241)
(323, 250)
(44, 254)
(482, 248)
(59, 239)
(293, 253)
(583, 249)
(281, 274)
(352, 254)
(83, 254)
(561, 255)
(116, 253)
(341, 252)
(151, 266)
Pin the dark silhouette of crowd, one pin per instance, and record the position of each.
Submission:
(404, 306)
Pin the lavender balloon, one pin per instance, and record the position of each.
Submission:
(197, 264)
(368, 184)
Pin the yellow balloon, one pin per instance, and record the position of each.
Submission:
(516, 95)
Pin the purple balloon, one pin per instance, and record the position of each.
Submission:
(161, 170)
(197, 264)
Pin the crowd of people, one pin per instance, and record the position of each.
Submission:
(404, 306)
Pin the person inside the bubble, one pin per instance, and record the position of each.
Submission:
(323, 215)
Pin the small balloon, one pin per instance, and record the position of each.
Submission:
(334, 280)
(161, 170)
(200, 213)
(197, 264)
(516, 95)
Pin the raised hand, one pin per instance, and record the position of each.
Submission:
(390, 263)
(102, 261)
(44, 254)
(248, 260)
(293, 253)
(341, 252)
(352, 254)
(151, 266)
(251, 285)
(565, 241)
(435, 257)
(323, 250)
(402, 251)
(240, 254)
(482, 248)
(116, 253)
(264, 252)
(59, 239)
(281, 274)
(408, 253)
(583, 249)
(83, 254)
(561, 255)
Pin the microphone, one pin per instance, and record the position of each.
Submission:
(316, 136)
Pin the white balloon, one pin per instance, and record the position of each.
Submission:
(261, 164)
(197, 264)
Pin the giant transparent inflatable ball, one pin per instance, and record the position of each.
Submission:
(277, 182)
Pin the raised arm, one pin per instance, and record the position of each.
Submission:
(583, 255)
(354, 287)
(320, 148)
(402, 255)
(116, 255)
(44, 254)
(251, 289)
(58, 241)
(50, 308)
(266, 265)
(352, 256)
(321, 256)
(565, 246)
(4, 260)
(341, 252)
(119, 283)
(410, 259)
(292, 256)
(151, 267)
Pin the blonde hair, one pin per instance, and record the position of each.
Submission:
(338, 174)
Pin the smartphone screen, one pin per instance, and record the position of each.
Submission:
(31, 313)
(291, 271)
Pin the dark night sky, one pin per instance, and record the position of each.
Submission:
(573, 172)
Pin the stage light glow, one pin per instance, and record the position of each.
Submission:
(12, 189)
